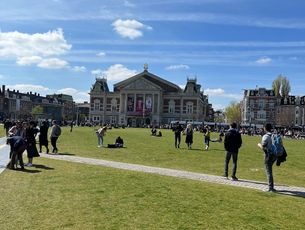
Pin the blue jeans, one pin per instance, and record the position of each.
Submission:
(228, 157)
(269, 161)
(99, 140)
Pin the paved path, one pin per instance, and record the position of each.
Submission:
(4, 154)
(289, 190)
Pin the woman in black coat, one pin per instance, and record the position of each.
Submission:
(43, 136)
(30, 134)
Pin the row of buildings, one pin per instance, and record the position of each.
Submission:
(17, 105)
(147, 99)
(260, 106)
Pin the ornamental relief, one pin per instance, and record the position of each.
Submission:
(141, 84)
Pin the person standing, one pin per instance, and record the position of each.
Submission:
(207, 138)
(100, 133)
(177, 130)
(71, 126)
(189, 136)
(55, 133)
(30, 133)
(232, 143)
(43, 136)
(270, 158)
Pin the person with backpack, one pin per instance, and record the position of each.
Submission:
(232, 143)
(55, 133)
(270, 156)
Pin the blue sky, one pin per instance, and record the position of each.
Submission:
(60, 46)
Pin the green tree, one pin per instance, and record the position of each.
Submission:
(281, 86)
(37, 111)
(233, 113)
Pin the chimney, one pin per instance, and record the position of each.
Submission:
(35, 94)
(30, 92)
(3, 88)
(17, 91)
(38, 95)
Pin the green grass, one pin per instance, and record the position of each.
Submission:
(2, 131)
(141, 148)
(76, 196)
(65, 195)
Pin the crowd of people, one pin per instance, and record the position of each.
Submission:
(21, 136)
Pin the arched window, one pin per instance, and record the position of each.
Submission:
(171, 106)
(114, 105)
(189, 107)
(96, 104)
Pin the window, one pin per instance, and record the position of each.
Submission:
(189, 107)
(171, 106)
(261, 104)
(96, 118)
(96, 105)
(113, 119)
(113, 105)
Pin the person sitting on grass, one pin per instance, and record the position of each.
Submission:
(153, 131)
(119, 142)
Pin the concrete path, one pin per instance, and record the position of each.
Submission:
(4, 154)
(289, 190)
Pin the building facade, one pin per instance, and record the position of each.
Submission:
(146, 99)
(17, 105)
(261, 106)
(68, 111)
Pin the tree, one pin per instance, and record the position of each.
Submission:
(37, 111)
(233, 113)
(281, 86)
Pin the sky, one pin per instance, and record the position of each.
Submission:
(61, 46)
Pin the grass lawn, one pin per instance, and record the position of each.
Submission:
(2, 131)
(61, 195)
(141, 148)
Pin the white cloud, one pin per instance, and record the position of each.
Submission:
(218, 107)
(28, 60)
(16, 44)
(182, 86)
(263, 60)
(101, 54)
(118, 72)
(96, 72)
(129, 28)
(177, 67)
(52, 63)
(28, 87)
(129, 4)
(78, 96)
(79, 69)
(221, 93)
(1, 76)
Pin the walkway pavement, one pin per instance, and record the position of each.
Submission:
(258, 185)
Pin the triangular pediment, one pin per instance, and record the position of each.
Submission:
(141, 84)
(146, 80)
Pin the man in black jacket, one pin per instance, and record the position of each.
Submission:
(232, 143)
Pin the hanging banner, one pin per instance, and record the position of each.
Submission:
(148, 103)
(139, 104)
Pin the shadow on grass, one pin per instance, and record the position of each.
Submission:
(25, 170)
(42, 167)
(291, 193)
(63, 154)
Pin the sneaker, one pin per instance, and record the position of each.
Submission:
(226, 176)
(98, 146)
(29, 164)
(234, 178)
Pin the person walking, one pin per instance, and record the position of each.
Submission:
(43, 136)
(189, 136)
(232, 143)
(55, 133)
(177, 130)
(270, 158)
(30, 133)
(100, 133)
